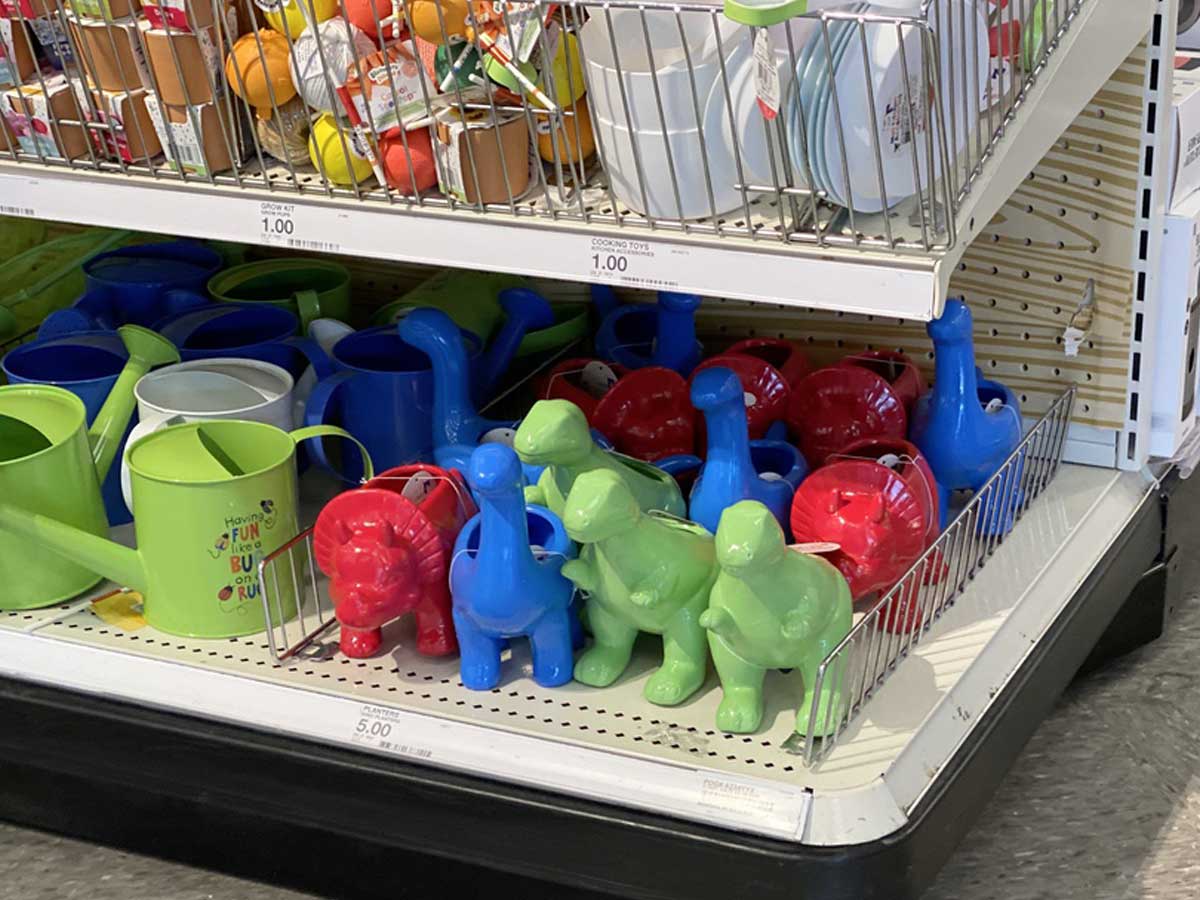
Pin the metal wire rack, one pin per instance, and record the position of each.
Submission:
(857, 668)
(613, 115)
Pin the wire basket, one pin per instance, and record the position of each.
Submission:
(860, 125)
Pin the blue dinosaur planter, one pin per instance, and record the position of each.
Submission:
(963, 441)
(638, 335)
(499, 589)
(457, 428)
(729, 474)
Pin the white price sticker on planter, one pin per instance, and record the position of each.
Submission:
(295, 227)
(378, 728)
(631, 262)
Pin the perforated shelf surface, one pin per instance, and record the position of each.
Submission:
(611, 744)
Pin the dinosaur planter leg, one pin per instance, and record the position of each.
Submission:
(771, 608)
(642, 572)
(480, 666)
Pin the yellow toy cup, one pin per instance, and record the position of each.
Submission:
(565, 73)
(572, 135)
(343, 163)
(260, 78)
(293, 16)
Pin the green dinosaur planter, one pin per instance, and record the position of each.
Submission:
(555, 434)
(642, 572)
(771, 608)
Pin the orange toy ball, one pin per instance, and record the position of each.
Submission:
(574, 144)
(258, 78)
(362, 17)
(400, 177)
(426, 24)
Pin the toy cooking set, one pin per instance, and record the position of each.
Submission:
(739, 505)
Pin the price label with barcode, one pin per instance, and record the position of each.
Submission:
(288, 225)
(626, 261)
(379, 728)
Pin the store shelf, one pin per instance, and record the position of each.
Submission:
(1099, 35)
(610, 745)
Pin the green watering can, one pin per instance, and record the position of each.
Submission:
(210, 501)
(51, 462)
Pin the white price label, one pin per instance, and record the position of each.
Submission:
(291, 226)
(378, 728)
(632, 262)
(783, 810)
(766, 74)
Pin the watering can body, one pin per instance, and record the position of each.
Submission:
(262, 331)
(137, 286)
(87, 365)
(661, 335)
(59, 482)
(307, 288)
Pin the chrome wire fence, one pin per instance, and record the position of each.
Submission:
(858, 124)
(858, 667)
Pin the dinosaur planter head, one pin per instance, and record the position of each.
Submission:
(555, 434)
(641, 572)
(771, 608)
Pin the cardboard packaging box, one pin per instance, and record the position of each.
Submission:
(187, 66)
(181, 15)
(110, 52)
(30, 112)
(495, 151)
(103, 9)
(198, 139)
(1173, 413)
(131, 135)
(17, 62)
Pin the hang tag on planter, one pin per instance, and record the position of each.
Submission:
(419, 485)
(816, 547)
(766, 74)
(596, 378)
(891, 460)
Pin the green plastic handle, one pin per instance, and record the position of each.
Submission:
(308, 303)
(768, 12)
(319, 431)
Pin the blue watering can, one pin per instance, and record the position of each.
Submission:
(500, 588)
(640, 335)
(729, 473)
(138, 285)
(966, 426)
(241, 331)
(87, 364)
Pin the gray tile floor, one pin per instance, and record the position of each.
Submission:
(1104, 804)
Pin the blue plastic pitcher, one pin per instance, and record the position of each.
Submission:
(87, 365)
(243, 331)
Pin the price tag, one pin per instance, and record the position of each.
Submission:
(631, 262)
(783, 810)
(766, 74)
(378, 728)
(292, 226)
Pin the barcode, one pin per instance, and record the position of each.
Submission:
(325, 246)
(17, 211)
(190, 154)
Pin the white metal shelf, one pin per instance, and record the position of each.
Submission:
(851, 279)
(610, 744)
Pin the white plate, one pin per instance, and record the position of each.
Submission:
(819, 123)
(898, 138)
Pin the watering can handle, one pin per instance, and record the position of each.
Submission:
(8, 324)
(318, 431)
(322, 406)
(308, 303)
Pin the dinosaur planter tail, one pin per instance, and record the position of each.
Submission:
(500, 589)
(641, 572)
(728, 474)
(771, 608)
(555, 434)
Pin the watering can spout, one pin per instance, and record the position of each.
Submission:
(100, 555)
(147, 349)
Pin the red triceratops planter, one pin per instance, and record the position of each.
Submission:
(386, 549)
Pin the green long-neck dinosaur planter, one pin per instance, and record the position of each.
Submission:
(555, 434)
(642, 572)
(771, 608)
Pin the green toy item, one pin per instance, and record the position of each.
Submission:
(642, 572)
(556, 435)
(771, 608)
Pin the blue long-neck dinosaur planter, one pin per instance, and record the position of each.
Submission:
(965, 426)
(638, 335)
(457, 427)
(500, 589)
(729, 474)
